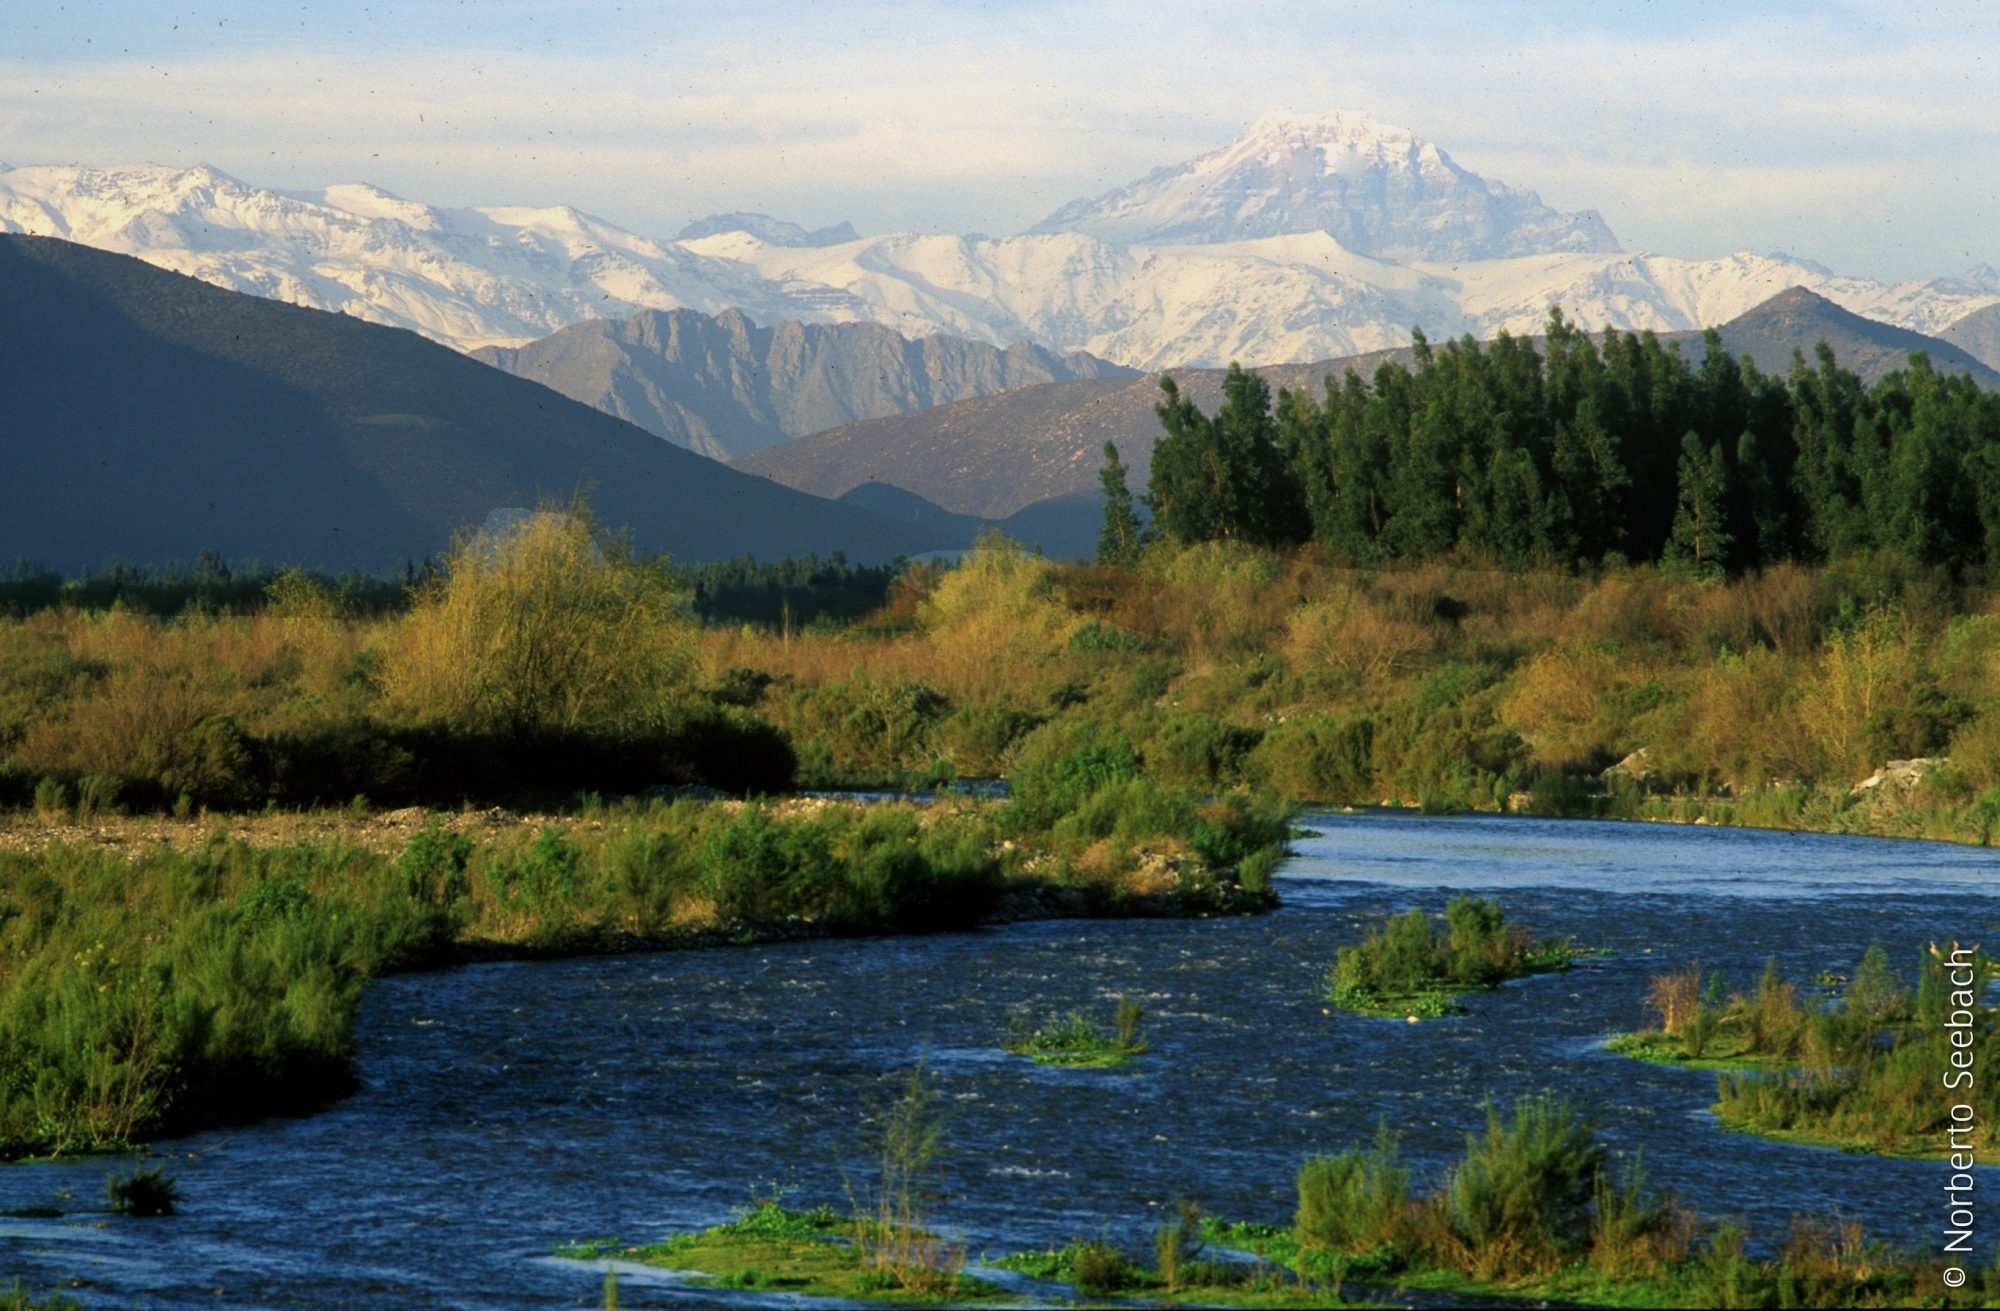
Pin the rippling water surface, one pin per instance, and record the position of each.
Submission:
(508, 1108)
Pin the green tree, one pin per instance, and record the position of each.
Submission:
(1224, 478)
(1701, 539)
(1118, 542)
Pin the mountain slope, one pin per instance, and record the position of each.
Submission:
(1376, 189)
(1978, 335)
(778, 232)
(152, 417)
(1796, 320)
(725, 387)
(998, 454)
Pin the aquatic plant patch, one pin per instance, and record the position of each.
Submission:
(1077, 1040)
(1409, 969)
(1856, 1061)
(769, 1248)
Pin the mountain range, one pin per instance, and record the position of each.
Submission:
(151, 417)
(1306, 239)
(725, 387)
(995, 456)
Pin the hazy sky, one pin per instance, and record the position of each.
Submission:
(1863, 135)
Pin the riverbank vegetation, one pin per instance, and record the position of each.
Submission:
(1853, 1061)
(1538, 1207)
(1407, 967)
(1078, 1040)
(154, 990)
(1778, 1024)
(1220, 667)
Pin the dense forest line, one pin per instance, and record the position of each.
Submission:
(1583, 452)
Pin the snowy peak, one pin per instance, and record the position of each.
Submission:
(1375, 188)
(771, 231)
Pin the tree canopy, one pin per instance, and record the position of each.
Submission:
(1576, 451)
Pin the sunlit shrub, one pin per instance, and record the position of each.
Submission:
(543, 628)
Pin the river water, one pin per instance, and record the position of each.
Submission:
(508, 1108)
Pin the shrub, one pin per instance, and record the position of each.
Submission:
(146, 1191)
(432, 871)
(1100, 1269)
(729, 748)
(97, 794)
(1059, 766)
(1521, 1200)
(978, 738)
(1315, 758)
(1675, 997)
(897, 1241)
(1408, 958)
(51, 798)
(1632, 1233)
(1354, 1203)
(1178, 1244)
(548, 627)
(216, 763)
(1200, 750)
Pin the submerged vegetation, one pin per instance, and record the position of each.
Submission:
(1407, 968)
(1077, 1040)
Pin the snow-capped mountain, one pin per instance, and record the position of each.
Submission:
(1376, 189)
(465, 277)
(1307, 239)
(779, 232)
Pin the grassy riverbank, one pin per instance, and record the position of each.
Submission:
(1538, 1208)
(151, 990)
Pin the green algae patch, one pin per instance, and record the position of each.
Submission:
(816, 1253)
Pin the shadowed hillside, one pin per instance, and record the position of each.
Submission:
(725, 387)
(1978, 335)
(154, 417)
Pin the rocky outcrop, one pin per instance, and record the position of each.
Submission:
(1899, 777)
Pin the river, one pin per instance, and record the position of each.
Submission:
(508, 1108)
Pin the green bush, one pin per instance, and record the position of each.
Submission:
(1060, 765)
(1199, 751)
(978, 738)
(1099, 1269)
(217, 764)
(1315, 758)
(1355, 1202)
(147, 1191)
(1095, 636)
(1522, 1198)
(1408, 958)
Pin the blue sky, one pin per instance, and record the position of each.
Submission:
(1862, 135)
